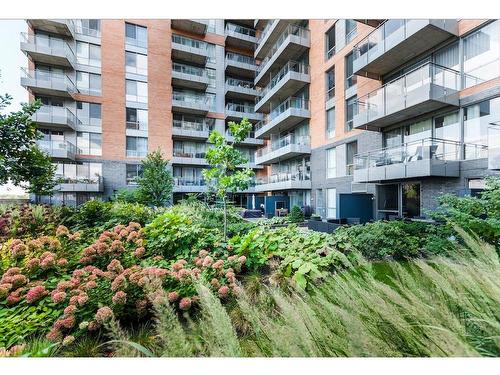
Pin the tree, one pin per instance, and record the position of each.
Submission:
(156, 183)
(21, 161)
(224, 176)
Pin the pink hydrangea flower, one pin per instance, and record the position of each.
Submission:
(71, 309)
(103, 315)
(219, 264)
(62, 231)
(139, 252)
(54, 335)
(242, 259)
(58, 297)
(207, 262)
(203, 253)
(215, 283)
(19, 280)
(82, 299)
(185, 303)
(62, 262)
(173, 296)
(120, 298)
(36, 293)
(33, 264)
(223, 291)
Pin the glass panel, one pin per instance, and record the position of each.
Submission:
(411, 200)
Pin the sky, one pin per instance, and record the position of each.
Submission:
(11, 61)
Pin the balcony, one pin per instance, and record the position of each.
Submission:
(189, 158)
(240, 36)
(290, 79)
(429, 157)
(191, 26)
(259, 23)
(64, 27)
(240, 89)
(189, 185)
(293, 42)
(47, 83)
(190, 77)
(422, 90)
(191, 130)
(51, 51)
(249, 141)
(283, 181)
(396, 41)
(75, 185)
(190, 103)
(236, 112)
(136, 153)
(494, 146)
(284, 117)
(240, 65)
(58, 149)
(55, 118)
(188, 49)
(268, 36)
(283, 148)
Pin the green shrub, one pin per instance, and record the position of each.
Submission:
(296, 215)
(125, 195)
(123, 213)
(94, 213)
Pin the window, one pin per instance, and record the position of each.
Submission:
(331, 163)
(88, 83)
(330, 84)
(351, 150)
(350, 77)
(186, 149)
(136, 63)
(212, 78)
(88, 54)
(88, 27)
(350, 31)
(137, 119)
(477, 119)
(137, 147)
(351, 111)
(482, 54)
(331, 203)
(136, 35)
(89, 143)
(447, 127)
(330, 123)
(88, 113)
(133, 171)
(330, 42)
(136, 91)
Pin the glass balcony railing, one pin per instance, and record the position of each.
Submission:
(387, 34)
(191, 43)
(192, 99)
(54, 80)
(232, 28)
(233, 82)
(54, 148)
(52, 46)
(137, 125)
(236, 57)
(290, 66)
(80, 29)
(394, 96)
(251, 134)
(190, 70)
(424, 149)
(136, 153)
(189, 154)
(242, 108)
(290, 30)
(283, 142)
(265, 31)
(55, 115)
(283, 177)
(189, 181)
(193, 126)
(292, 102)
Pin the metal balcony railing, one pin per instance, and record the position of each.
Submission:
(290, 30)
(282, 142)
(292, 102)
(392, 97)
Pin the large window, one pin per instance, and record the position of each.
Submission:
(330, 42)
(88, 113)
(350, 78)
(133, 171)
(137, 119)
(331, 163)
(136, 91)
(477, 119)
(188, 149)
(351, 111)
(89, 27)
(137, 147)
(136, 63)
(350, 31)
(330, 123)
(88, 54)
(482, 54)
(89, 143)
(136, 35)
(331, 203)
(351, 150)
(88, 83)
(330, 83)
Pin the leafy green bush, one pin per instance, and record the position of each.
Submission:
(123, 213)
(296, 215)
(125, 195)
(94, 213)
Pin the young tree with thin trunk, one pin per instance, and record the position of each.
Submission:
(225, 176)
(156, 183)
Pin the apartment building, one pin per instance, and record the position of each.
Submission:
(355, 118)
